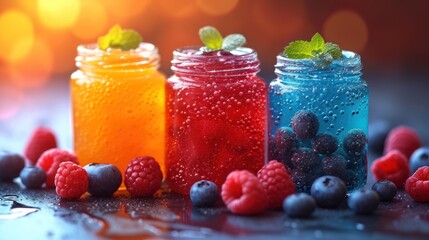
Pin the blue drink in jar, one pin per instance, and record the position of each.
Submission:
(319, 119)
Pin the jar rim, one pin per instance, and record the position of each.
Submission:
(348, 57)
(190, 51)
(144, 48)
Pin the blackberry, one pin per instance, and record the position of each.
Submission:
(32, 177)
(204, 194)
(334, 165)
(303, 181)
(325, 143)
(354, 142)
(386, 190)
(305, 160)
(328, 191)
(305, 124)
(363, 201)
(103, 179)
(299, 205)
(283, 145)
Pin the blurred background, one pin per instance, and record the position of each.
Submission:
(38, 40)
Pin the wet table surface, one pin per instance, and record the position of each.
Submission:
(40, 214)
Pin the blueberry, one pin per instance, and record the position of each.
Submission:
(103, 179)
(204, 194)
(363, 201)
(303, 180)
(334, 165)
(354, 142)
(305, 124)
(377, 133)
(305, 160)
(11, 165)
(32, 177)
(328, 191)
(386, 190)
(419, 158)
(325, 143)
(299, 205)
(283, 145)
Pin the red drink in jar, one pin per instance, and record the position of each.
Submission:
(215, 116)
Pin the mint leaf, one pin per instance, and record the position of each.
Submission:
(299, 50)
(333, 50)
(211, 37)
(317, 42)
(233, 41)
(316, 48)
(124, 39)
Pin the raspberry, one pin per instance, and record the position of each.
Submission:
(404, 139)
(276, 182)
(143, 177)
(50, 161)
(243, 193)
(418, 185)
(71, 181)
(392, 166)
(41, 139)
(305, 124)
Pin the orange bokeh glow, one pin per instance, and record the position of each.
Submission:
(122, 10)
(16, 35)
(35, 70)
(92, 21)
(58, 14)
(218, 7)
(347, 29)
(177, 8)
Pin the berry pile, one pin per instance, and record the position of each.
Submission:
(308, 153)
(321, 168)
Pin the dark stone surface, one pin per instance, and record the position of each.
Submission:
(172, 216)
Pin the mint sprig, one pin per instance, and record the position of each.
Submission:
(316, 49)
(124, 39)
(214, 41)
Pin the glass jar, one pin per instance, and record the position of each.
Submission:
(118, 100)
(215, 116)
(319, 119)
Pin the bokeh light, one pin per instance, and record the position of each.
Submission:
(347, 29)
(58, 14)
(16, 35)
(92, 21)
(218, 7)
(11, 100)
(177, 8)
(123, 10)
(35, 70)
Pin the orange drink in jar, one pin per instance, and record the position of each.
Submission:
(118, 105)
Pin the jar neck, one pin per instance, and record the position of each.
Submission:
(139, 61)
(347, 69)
(190, 64)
